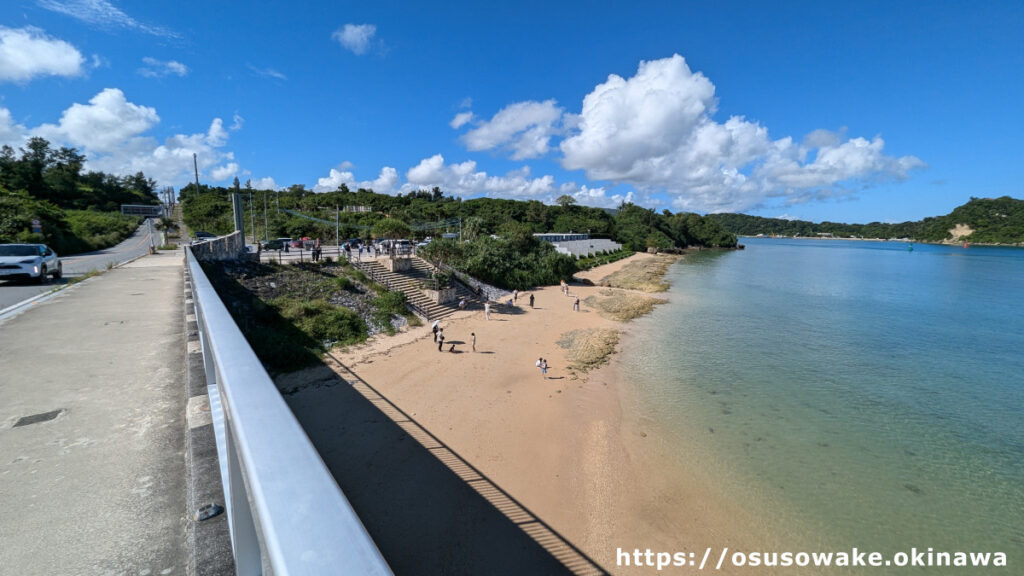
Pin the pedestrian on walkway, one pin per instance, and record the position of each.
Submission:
(360, 252)
(531, 300)
(487, 310)
(440, 339)
(576, 304)
(473, 336)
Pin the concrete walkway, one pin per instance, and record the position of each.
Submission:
(92, 403)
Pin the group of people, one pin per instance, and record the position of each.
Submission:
(439, 338)
(317, 251)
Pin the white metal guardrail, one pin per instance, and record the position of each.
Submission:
(286, 512)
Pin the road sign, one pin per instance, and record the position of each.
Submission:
(37, 226)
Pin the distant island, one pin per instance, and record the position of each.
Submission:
(979, 221)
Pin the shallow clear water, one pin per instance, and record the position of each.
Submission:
(864, 392)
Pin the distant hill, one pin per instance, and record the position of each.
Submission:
(980, 221)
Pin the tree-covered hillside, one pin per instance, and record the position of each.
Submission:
(637, 228)
(78, 212)
(992, 220)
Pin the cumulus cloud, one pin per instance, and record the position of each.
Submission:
(656, 131)
(525, 128)
(154, 68)
(112, 133)
(27, 53)
(103, 14)
(11, 133)
(465, 180)
(107, 121)
(355, 37)
(385, 183)
(220, 173)
(236, 123)
(461, 119)
(265, 183)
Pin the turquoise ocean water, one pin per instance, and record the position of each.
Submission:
(849, 393)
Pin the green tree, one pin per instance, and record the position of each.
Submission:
(391, 228)
(565, 201)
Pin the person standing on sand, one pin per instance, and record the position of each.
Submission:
(487, 310)
(544, 368)
(576, 304)
(435, 328)
(515, 295)
(473, 336)
(440, 339)
(531, 300)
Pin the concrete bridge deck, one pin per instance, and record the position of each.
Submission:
(92, 411)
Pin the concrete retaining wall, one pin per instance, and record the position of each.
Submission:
(230, 247)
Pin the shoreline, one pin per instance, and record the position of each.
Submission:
(575, 449)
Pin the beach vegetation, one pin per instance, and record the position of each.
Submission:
(588, 348)
(645, 274)
(622, 305)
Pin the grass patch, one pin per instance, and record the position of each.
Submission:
(645, 275)
(322, 321)
(589, 348)
(389, 304)
(622, 306)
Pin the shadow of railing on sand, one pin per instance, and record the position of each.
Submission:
(428, 509)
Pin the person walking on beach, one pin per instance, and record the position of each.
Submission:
(515, 295)
(576, 304)
(531, 300)
(473, 336)
(440, 339)
(435, 328)
(487, 310)
(544, 369)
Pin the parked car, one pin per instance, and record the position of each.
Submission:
(277, 244)
(31, 261)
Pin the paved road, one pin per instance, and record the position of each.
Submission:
(136, 245)
(100, 487)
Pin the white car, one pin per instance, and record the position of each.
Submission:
(33, 261)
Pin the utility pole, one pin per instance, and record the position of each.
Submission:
(337, 225)
(252, 217)
(195, 164)
(266, 226)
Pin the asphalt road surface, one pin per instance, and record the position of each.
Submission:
(137, 244)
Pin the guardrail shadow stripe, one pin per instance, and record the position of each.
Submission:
(509, 539)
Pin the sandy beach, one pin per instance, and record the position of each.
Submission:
(571, 450)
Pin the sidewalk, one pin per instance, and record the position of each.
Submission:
(100, 487)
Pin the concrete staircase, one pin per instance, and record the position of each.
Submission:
(409, 283)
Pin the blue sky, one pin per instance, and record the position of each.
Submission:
(823, 111)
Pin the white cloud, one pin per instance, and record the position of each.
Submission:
(355, 37)
(266, 72)
(111, 132)
(465, 180)
(266, 183)
(157, 68)
(216, 135)
(385, 183)
(220, 173)
(236, 123)
(11, 134)
(103, 14)
(461, 119)
(102, 125)
(655, 131)
(525, 128)
(26, 53)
